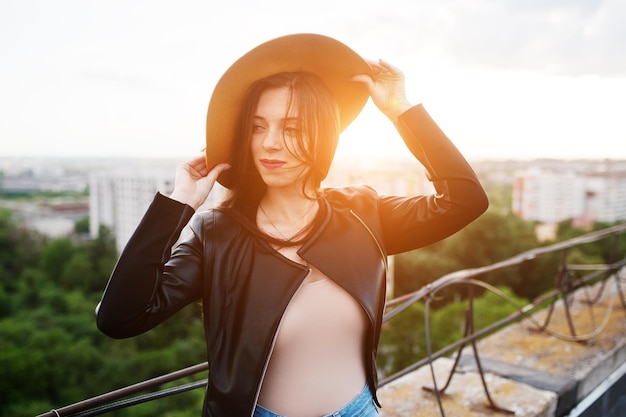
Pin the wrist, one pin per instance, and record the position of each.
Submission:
(397, 109)
(186, 198)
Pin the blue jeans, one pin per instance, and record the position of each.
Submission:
(361, 406)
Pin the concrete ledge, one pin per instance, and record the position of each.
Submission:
(528, 372)
(464, 397)
(565, 388)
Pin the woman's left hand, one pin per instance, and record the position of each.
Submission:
(386, 87)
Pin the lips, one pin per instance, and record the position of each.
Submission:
(272, 163)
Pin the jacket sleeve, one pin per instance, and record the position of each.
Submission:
(412, 222)
(143, 290)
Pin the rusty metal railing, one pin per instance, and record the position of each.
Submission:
(566, 282)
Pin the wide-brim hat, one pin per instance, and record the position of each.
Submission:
(329, 59)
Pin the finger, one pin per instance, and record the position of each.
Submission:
(364, 79)
(372, 62)
(389, 67)
(377, 68)
(217, 170)
(197, 163)
(197, 167)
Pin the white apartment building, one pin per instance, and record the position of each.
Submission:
(606, 196)
(119, 201)
(551, 196)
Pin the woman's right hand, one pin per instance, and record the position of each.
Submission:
(194, 181)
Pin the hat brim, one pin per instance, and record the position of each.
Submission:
(329, 59)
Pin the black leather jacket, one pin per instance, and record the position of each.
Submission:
(245, 286)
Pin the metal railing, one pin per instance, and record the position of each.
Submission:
(566, 282)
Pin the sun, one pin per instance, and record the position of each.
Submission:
(370, 136)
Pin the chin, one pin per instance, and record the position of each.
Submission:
(279, 184)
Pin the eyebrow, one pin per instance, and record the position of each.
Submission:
(285, 120)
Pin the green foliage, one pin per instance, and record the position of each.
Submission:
(492, 307)
(54, 256)
(605, 251)
(415, 269)
(493, 237)
(500, 197)
(81, 227)
(52, 354)
(40, 195)
(403, 341)
(19, 248)
(608, 250)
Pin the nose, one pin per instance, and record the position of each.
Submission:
(273, 140)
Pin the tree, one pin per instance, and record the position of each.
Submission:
(55, 255)
(81, 227)
(415, 269)
(403, 340)
(19, 248)
(52, 354)
(78, 272)
(103, 254)
(491, 238)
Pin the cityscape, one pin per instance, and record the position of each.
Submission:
(115, 192)
(71, 199)
(101, 101)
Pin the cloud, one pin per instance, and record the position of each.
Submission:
(119, 72)
(553, 37)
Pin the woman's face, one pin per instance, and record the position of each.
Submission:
(274, 133)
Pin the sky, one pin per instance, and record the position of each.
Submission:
(504, 79)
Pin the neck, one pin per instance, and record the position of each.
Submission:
(288, 206)
(286, 218)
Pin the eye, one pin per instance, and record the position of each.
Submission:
(291, 130)
(258, 127)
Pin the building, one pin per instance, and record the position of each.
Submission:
(551, 196)
(606, 196)
(119, 201)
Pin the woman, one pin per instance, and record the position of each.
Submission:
(291, 277)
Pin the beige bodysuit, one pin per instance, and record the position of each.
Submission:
(317, 365)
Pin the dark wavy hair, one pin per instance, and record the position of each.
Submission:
(315, 144)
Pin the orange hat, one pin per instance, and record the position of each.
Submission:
(332, 61)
